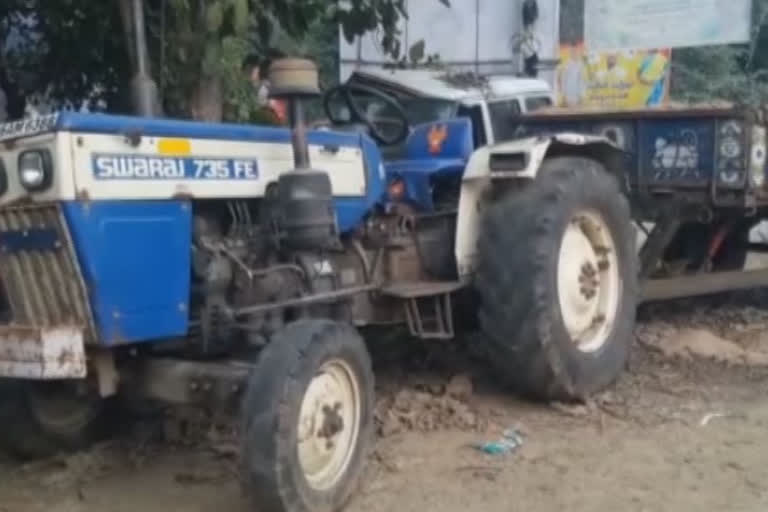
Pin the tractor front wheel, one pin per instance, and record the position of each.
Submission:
(307, 419)
(557, 279)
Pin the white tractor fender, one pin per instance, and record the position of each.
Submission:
(516, 160)
(522, 158)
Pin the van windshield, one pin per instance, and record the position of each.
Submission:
(417, 110)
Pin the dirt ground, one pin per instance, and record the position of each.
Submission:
(683, 429)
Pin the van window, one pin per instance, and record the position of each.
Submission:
(504, 119)
(537, 102)
(475, 114)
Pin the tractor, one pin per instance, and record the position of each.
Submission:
(236, 266)
(230, 265)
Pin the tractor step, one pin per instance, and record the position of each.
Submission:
(427, 306)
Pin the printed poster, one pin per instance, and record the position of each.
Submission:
(611, 80)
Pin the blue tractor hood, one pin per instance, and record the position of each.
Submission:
(436, 149)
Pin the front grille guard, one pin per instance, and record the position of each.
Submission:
(50, 319)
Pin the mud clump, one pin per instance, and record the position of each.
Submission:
(742, 347)
(460, 388)
(704, 344)
(430, 408)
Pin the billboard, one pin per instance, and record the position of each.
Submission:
(470, 35)
(611, 80)
(646, 24)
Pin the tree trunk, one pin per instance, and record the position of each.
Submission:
(207, 101)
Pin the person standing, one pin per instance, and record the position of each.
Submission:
(572, 79)
(257, 70)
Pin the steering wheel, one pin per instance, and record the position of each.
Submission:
(358, 114)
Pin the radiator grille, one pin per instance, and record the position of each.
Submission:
(43, 286)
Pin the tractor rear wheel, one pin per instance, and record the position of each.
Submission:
(307, 419)
(557, 279)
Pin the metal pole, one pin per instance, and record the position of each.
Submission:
(146, 100)
(142, 66)
(477, 37)
(298, 134)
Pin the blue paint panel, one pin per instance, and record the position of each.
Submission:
(454, 145)
(152, 127)
(457, 141)
(135, 257)
(417, 175)
(677, 152)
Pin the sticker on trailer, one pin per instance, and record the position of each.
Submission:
(139, 167)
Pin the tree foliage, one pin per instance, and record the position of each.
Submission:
(63, 48)
(735, 73)
(75, 49)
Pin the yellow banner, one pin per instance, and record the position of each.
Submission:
(627, 79)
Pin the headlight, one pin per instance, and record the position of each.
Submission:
(758, 156)
(35, 170)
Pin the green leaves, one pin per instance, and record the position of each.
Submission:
(211, 58)
(240, 11)
(417, 51)
(83, 44)
(214, 16)
(736, 73)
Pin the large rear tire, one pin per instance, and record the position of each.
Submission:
(557, 279)
(308, 419)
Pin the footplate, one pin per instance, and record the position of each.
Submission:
(427, 304)
(44, 353)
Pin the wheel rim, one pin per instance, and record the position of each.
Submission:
(60, 408)
(329, 424)
(589, 282)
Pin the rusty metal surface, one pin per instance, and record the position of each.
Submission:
(43, 287)
(315, 298)
(42, 353)
(723, 109)
(703, 284)
(107, 376)
(218, 384)
(410, 290)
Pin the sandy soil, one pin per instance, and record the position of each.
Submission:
(680, 431)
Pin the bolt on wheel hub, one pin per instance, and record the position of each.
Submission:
(589, 285)
(329, 424)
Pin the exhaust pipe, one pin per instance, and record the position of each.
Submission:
(145, 96)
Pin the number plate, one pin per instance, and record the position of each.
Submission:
(28, 127)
